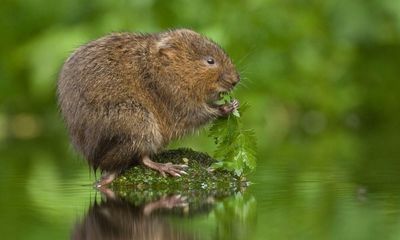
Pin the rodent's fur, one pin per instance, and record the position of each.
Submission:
(125, 96)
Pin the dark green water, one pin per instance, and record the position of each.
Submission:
(337, 185)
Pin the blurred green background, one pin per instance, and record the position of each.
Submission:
(321, 78)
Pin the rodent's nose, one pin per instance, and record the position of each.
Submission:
(236, 80)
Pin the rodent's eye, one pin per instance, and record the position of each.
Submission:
(210, 60)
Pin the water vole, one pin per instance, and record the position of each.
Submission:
(125, 96)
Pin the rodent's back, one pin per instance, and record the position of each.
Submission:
(103, 70)
(103, 100)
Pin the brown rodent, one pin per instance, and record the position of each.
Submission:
(125, 96)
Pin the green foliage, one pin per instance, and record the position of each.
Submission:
(236, 146)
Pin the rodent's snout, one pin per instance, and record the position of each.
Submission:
(230, 80)
(235, 80)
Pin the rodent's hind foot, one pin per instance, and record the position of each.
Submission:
(108, 193)
(105, 179)
(175, 170)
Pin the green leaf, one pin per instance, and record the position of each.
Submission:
(235, 146)
(217, 165)
(220, 102)
(236, 113)
(225, 98)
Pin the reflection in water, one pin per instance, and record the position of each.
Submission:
(119, 218)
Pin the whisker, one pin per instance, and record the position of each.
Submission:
(250, 52)
(242, 84)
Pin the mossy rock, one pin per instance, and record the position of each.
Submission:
(143, 184)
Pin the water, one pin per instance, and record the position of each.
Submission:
(338, 185)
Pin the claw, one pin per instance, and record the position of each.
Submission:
(105, 179)
(235, 104)
(228, 108)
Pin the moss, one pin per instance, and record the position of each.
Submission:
(143, 184)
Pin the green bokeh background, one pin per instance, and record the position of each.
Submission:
(321, 78)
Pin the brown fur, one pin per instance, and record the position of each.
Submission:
(127, 95)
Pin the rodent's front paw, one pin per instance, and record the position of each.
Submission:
(235, 104)
(227, 109)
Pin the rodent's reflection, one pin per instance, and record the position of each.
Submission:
(117, 219)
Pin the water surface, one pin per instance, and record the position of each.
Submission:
(339, 185)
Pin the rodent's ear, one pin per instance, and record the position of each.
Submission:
(164, 47)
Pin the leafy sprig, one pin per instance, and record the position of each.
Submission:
(235, 149)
